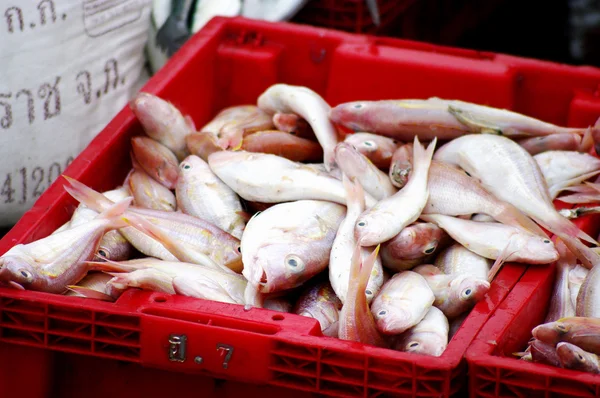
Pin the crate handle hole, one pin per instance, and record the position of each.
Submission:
(278, 317)
(160, 299)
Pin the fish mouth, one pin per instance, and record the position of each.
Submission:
(392, 327)
(15, 285)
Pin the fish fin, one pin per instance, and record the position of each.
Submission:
(135, 165)
(178, 249)
(472, 122)
(580, 198)
(557, 188)
(582, 188)
(514, 217)
(587, 141)
(190, 122)
(500, 260)
(354, 191)
(127, 178)
(115, 213)
(86, 195)
(111, 266)
(562, 227)
(253, 297)
(588, 257)
(593, 185)
(90, 293)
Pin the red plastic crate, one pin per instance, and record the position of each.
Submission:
(494, 372)
(231, 61)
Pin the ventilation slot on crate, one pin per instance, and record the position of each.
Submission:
(341, 389)
(70, 329)
(296, 351)
(69, 343)
(298, 382)
(573, 388)
(342, 374)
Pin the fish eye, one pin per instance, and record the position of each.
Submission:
(430, 249)
(25, 274)
(357, 106)
(581, 358)
(239, 249)
(561, 327)
(547, 241)
(368, 292)
(361, 224)
(382, 313)
(102, 253)
(414, 344)
(369, 143)
(186, 166)
(295, 263)
(467, 293)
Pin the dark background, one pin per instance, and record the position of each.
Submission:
(529, 28)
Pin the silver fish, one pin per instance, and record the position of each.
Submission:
(389, 216)
(287, 244)
(509, 172)
(402, 303)
(200, 193)
(561, 305)
(307, 104)
(340, 258)
(456, 293)
(489, 240)
(51, 264)
(573, 357)
(356, 165)
(457, 259)
(265, 178)
(320, 302)
(428, 337)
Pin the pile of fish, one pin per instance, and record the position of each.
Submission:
(340, 214)
(570, 335)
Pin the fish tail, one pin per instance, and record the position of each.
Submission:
(367, 266)
(86, 195)
(90, 293)
(563, 227)
(557, 188)
(588, 257)
(421, 156)
(355, 194)
(512, 216)
(115, 212)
